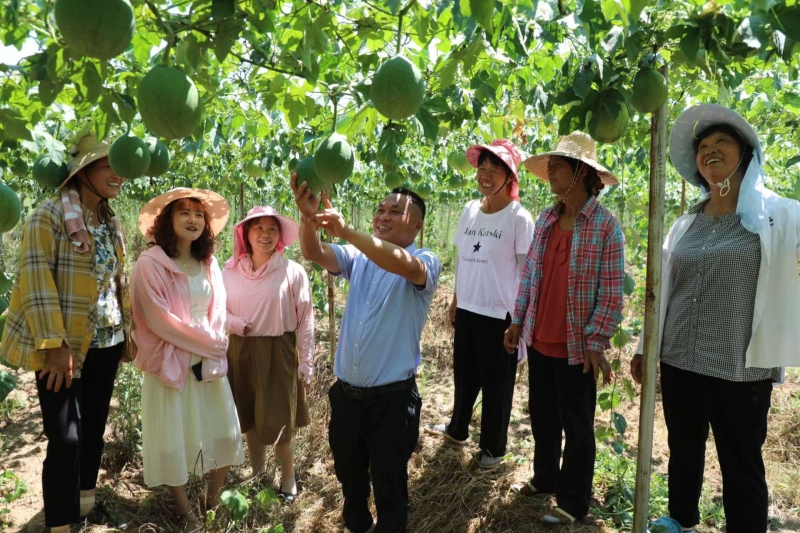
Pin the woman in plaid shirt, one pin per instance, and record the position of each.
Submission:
(67, 321)
(568, 306)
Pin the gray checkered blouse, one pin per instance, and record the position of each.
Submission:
(709, 318)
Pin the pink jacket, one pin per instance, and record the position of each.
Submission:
(164, 335)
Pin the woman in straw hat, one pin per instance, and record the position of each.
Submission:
(189, 422)
(67, 321)
(271, 351)
(568, 306)
(730, 309)
(493, 237)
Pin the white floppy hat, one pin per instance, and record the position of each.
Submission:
(216, 206)
(576, 145)
(694, 121)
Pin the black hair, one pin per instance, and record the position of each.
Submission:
(487, 155)
(744, 147)
(593, 184)
(416, 199)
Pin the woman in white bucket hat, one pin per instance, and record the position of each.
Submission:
(568, 306)
(271, 329)
(730, 309)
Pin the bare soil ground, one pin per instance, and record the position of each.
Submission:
(448, 492)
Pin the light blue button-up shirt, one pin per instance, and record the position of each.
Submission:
(383, 319)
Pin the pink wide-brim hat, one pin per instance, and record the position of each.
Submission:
(289, 231)
(502, 148)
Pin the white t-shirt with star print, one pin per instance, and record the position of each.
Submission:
(487, 271)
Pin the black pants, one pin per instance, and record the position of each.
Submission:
(562, 397)
(481, 362)
(737, 413)
(74, 422)
(375, 436)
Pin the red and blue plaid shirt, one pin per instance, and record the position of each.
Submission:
(596, 275)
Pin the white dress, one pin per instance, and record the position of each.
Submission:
(194, 430)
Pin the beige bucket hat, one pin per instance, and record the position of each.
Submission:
(87, 150)
(576, 145)
(216, 206)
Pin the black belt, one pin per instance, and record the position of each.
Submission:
(360, 393)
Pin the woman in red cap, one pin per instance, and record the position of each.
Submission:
(271, 327)
(493, 236)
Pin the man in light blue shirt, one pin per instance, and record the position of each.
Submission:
(375, 405)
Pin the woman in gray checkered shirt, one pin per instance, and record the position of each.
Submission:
(730, 309)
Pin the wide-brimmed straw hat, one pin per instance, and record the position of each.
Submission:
(216, 206)
(576, 145)
(693, 122)
(502, 148)
(289, 230)
(87, 150)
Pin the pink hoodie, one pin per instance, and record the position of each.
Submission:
(164, 335)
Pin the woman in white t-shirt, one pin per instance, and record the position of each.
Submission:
(493, 237)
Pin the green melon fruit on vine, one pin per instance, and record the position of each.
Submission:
(253, 169)
(610, 117)
(397, 88)
(129, 157)
(293, 164)
(424, 190)
(407, 185)
(305, 172)
(415, 176)
(19, 168)
(455, 182)
(649, 90)
(49, 171)
(334, 159)
(96, 28)
(476, 195)
(393, 179)
(159, 157)
(261, 183)
(459, 162)
(9, 208)
(169, 102)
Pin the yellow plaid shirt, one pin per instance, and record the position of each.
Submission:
(55, 295)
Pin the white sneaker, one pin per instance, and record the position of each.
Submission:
(487, 461)
(441, 429)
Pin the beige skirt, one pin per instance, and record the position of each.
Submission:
(269, 397)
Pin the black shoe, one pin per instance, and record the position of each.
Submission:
(102, 514)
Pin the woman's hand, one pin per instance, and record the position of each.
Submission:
(247, 329)
(58, 368)
(636, 368)
(511, 337)
(451, 311)
(597, 362)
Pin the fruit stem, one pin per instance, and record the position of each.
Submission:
(164, 26)
(335, 111)
(400, 16)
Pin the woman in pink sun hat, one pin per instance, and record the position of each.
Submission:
(493, 236)
(271, 328)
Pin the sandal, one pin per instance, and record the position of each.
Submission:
(286, 498)
(559, 518)
(525, 488)
(191, 523)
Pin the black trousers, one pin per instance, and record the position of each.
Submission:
(737, 413)
(562, 397)
(377, 436)
(74, 422)
(481, 362)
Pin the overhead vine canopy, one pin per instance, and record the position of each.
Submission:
(275, 77)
